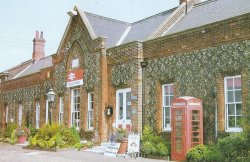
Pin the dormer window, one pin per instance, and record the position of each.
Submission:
(75, 63)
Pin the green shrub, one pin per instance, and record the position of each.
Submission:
(234, 147)
(162, 149)
(55, 136)
(203, 153)
(9, 129)
(33, 131)
(153, 143)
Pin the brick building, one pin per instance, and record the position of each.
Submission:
(199, 49)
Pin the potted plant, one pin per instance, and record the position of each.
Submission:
(120, 135)
(22, 134)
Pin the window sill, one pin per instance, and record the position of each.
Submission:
(232, 130)
(166, 130)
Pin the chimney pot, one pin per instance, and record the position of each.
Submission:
(41, 35)
(38, 47)
(37, 34)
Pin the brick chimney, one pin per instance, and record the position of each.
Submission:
(38, 46)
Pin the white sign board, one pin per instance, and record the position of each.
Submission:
(112, 149)
(133, 143)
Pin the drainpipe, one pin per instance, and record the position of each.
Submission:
(216, 120)
(216, 114)
(143, 66)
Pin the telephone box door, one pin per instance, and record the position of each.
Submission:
(178, 139)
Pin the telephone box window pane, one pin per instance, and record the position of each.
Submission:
(238, 109)
(231, 109)
(230, 97)
(238, 96)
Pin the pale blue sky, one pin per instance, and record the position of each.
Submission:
(19, 19)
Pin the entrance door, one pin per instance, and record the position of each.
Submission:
(123, 108)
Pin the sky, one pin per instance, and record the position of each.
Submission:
(19, 20)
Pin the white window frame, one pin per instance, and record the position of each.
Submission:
(6, 113)
(232, 129)
(90, 110)
(20, 114)
(47, 111)
(61, 110)
(165, 107)
(38, 110)
(74, 112)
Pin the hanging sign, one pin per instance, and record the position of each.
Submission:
(133, 143)
(75, 78)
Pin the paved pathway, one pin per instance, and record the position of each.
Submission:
(15, 153)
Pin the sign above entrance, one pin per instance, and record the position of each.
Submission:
(75, 78)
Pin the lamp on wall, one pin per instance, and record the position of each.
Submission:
(109, 110)
(51, 98)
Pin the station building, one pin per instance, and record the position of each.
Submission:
(109, 74)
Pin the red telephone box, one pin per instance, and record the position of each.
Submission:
(187, 126)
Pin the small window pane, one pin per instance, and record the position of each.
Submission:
(238, 109)
(231, 109)
(238, 96)
(238, 121)
(230, 97)
(166, 90)
(167, 101)
(230, 84)
(231, 121)
(237, 83)
(172, 89)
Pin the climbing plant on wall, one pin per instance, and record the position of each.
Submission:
(195, 74)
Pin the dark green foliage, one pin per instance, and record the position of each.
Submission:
(9, 129)
(153, 144)
(203, 153)
(234, 147)
(55, 136)
(33, 131)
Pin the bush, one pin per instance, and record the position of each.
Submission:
(152, 143)
(203, 153)
(55, 136)
(234, 147)
(9, 129)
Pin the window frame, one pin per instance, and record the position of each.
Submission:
(61, 110)
(90, 110)
(20, 114)
(231, 129)
(164, 107)
(38, 113)
(73, 104)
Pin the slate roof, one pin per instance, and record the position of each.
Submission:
(142, 29)
(209, 12)
(43, 63)
(110, 28)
